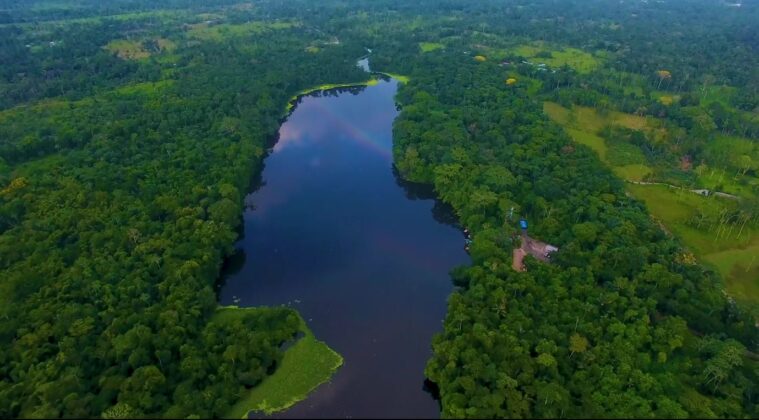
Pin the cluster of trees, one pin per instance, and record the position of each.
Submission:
(116, 211)
(622, 324)
(120, 197)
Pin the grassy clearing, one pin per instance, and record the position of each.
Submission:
(593, 141)
(166, 44)
(633, 122)
(210, 32)
(622, 153)
(430, 46)
(584, 123)
(733, 251)
(540, 52)
(675, 208)
(127, 49)
(740, 269)
(721, 94)
(306, 365)
(719, 179)
(136, 49)
(588, 119)
(556, 112)
(633, 172)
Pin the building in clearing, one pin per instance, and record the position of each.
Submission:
(540, 250)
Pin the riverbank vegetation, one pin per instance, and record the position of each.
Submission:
(120, 199)
(306, 364)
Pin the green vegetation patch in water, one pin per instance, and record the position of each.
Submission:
(307, 364)
(430, 46)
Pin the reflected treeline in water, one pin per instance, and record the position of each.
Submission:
(332, 231)
(441, 211)
(231, 266)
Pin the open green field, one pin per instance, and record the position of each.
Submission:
(721, 94)
(593, 141)
(731, 248)
(307, 364)
(632, 172)
(730, 182)
(127, 49)
(430, 46)
(583, 124)
(210, 32)
(540, 52)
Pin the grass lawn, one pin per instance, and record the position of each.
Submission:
(579, 60)
(430, 46)
(583, 123)
(740, 269)
(593, 141)
(633, 172)
(556, 112)
(127, 50)
(733, 252)
(721, 94)
(206, 32)
(306, 365)
(588, 119)
(729, 182)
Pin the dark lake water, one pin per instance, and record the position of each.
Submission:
(333, 232)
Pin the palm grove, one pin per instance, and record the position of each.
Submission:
(122, 185)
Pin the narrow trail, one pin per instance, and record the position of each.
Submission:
(701, 192)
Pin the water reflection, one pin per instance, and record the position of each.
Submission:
(335, 229)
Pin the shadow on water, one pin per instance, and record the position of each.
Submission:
(332, 230)
(442, 212)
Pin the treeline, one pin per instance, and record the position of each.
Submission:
(621, 324)
(116, 211)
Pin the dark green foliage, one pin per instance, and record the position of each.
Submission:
(116, 213)
(120, 197)
(616, 327)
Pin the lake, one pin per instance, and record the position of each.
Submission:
(363, 256)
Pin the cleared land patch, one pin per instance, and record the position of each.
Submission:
(714, 231)
(712, 227)
(584, 124)
(307, 364)
(430, 46)
(209, 31)
(541, 52)
(127, 49)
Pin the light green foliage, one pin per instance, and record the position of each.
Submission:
(430, 46)
(714, 230)
(539, 52)
(127, 49)
(218, 32)
(119, 179)
(306, 364)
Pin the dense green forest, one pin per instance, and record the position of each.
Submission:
(130, 132)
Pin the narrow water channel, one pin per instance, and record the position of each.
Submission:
(363, 256)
